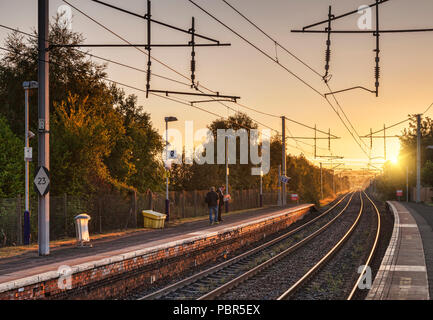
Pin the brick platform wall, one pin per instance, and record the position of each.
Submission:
(121, 274)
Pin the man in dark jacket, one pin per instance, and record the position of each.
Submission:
(212, 202)
(221, 202)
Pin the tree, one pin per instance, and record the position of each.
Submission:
(427, 173)
(11, 161)
(101, 140)
(394, 176)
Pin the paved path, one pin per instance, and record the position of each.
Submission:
(403, 273)
(423, 215)
(30, 264)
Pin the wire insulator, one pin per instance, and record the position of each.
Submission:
(377, 74)
(327, 58)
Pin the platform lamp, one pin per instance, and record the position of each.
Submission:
(167, 199)
(27, 85)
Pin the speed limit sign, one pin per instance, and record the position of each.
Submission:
(42, 181)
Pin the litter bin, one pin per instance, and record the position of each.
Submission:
(82, 229)
(153, 219)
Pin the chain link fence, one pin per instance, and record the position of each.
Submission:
(113, 212)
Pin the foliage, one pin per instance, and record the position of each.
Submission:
(11, 161)
(427, 173)
(101, 139)
(394, 176)
(305, 177)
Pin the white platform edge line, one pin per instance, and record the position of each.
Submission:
(389, 253)
(19, 283)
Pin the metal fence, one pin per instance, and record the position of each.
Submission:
(113, 212)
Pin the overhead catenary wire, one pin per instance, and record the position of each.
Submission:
(134, 68)
(176, 81)
(128, 42)
(345, 115)
(102, 58)
(300, 79)
(123, 39)
(396, 124)
(177, 100)
(297, 58)
(273, 39)
(257, 48)
(274, 60)
(331, 17)
(427, 109)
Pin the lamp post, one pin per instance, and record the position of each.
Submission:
(27, 85)
(167, 199)
(321, 182)
(227, 174)
(418, 158)
(261, 188)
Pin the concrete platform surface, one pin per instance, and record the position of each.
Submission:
(30, 265)
(403, 272)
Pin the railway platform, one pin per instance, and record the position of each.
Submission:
(403, 272)
(151, 254)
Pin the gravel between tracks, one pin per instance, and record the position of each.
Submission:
(387, 225)
(272, 282)
(337, 278)
(167, 281)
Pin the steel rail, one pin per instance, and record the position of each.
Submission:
(235, 282)
(322, 261)
(373, 249)
(182, 283)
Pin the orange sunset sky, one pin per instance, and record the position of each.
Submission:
(406, 64)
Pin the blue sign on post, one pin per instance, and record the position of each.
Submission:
(285, 179)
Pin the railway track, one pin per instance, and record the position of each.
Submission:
(314, 270)
(213, 282)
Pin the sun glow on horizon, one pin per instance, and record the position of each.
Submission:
(394, 160)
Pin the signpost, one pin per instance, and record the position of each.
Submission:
(172, 154)
(28, 156)
(285, 179)
(294, 197)
(42, 181)
(399, 194)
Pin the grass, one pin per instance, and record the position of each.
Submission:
(327, 201)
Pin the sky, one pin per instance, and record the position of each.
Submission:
(240, 70)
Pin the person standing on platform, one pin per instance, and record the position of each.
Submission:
(220, 203)
(212, 203)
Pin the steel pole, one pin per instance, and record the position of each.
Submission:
(279, 185)
(418, 158)
(43, 124)
(167, 199)
(333, 181)
(321, 182)
(407, 183)
(27, 172)
(283, 162)
(227, 174)
(261, 188)
(26, 142)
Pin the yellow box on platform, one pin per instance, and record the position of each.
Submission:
(153, 219)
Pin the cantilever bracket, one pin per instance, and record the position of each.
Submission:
(217, 95)
(358, 87)
(234, 100)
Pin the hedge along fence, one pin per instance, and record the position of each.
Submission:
(112, 212)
